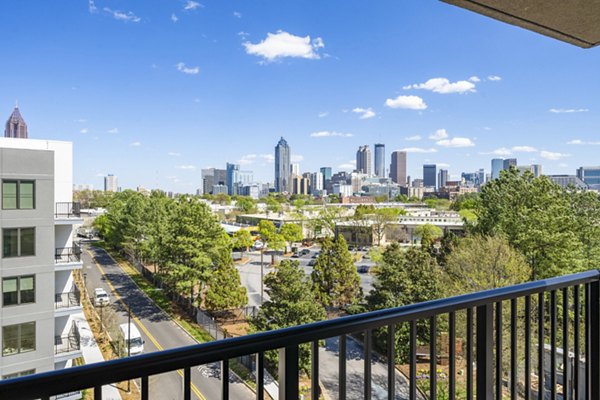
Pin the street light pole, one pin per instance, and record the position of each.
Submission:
(262, 273)
(128, 341)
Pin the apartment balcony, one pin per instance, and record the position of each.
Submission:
(498, 343)
(67, 213)
(67, 258)
(67, 303)
(66, 347)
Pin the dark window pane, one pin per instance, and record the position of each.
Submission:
(9, 195)
(9, 292)
(27, 241)
(27, 337)
(10, 243)
(26, 192)
(27, 289)
(10, 340)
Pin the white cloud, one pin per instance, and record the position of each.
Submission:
(524, 149)
(321, 134)
(297, 158)
(406, 102)
(568, 110)
(474, 79)
(456, 142)
(418, 150)
(323, 114)
(113, 130)
(173, 154)
(192, 5)
(350, 165)
(443, 165)
(444, 86)
(187, 70)
(283, 44)
(135, 144)
(84, 130)
(243, 34)
(188, 167)
(439, 135)
(92, 7)
(502, 151)
(494, 78)
(414, 138)
(174, 18)
(237, 14)
(81, 120)
(549, 155)
(247, 159)
(365, 113)
(563, 165)
(270, 158)
(123, 16)
(579, 142)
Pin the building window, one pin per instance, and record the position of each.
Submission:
(19, 338)
(18, 242)
(18, 195)
(19, 374)
(18, 290)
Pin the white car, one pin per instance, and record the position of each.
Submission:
(258, 245)
(101, 297)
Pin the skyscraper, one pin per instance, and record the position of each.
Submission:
(442, 178)
(282, 166)
(295, 169)
(398, 168)
(429, 175)
(233, 171)
(363, 160)
(316, 182)
(111, 183)
(590, 175)
(380, 160)
(509, 162)
(497, 166)
(537, 170)
(15, 125)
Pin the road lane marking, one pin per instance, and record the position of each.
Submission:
(135, 318)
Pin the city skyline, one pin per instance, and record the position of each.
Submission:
(229, 93)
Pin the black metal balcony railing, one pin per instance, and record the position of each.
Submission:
(68, 299)
(484, 320)
(64, 255)
(67, 344)
(67, 210)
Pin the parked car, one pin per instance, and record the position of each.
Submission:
(312, 263)
(315, 255)
(296, 255)
(363, 269)
(258, 245)
(101, 298)
(364, 248)
(305, 252)
(133, 338)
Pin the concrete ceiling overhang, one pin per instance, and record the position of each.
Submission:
(572, 21)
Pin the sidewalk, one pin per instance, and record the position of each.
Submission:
(92, 353)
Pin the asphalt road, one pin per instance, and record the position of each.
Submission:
(157, 329)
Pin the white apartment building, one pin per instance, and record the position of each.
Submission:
(38, 219)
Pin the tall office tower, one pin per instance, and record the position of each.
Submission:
(39, 298)
(363, 160)
(429, 175)
(497, 166)
(316, 182)
(509, 162)
(380, 160)
(295, 169)
(111, 183)
(326, 171)
(15, 125)
(208, 180)
(233, 178)
(442, 178)
(282, 167)
(590, 175)
(480, 177)
(398, 168)
(537, 170)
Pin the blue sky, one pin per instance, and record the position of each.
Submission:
(153, 91)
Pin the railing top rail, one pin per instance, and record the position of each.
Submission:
(53, 382)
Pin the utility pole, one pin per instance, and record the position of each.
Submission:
(128, 342)
(262, 273)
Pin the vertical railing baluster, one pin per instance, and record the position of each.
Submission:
(315, 390)
(187, 383)
(260, 376)
(469, 354)
(432, 358)
(342, 367)
(595, 339)
(391, 361)
(288, 372)
(588, 353)
(576, 344)
(513, 349)
(97, 392)
(527, 347)
(541, 370)
(367, 364)
(565, 345)
(452, 356)
(144, 388)
(499, 350)
(485, 351)
(413, 361)
(553, 345)
(225, 379)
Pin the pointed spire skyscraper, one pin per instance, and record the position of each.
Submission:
(16, 126)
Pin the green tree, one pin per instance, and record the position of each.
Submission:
(225, 290)
(273, 205)
(270, 238)
(428, 233)
(291, 233)
(382, 218)
(246, 204)
(289, 304)
(334, 277)
(484, 262)
(242, 239)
